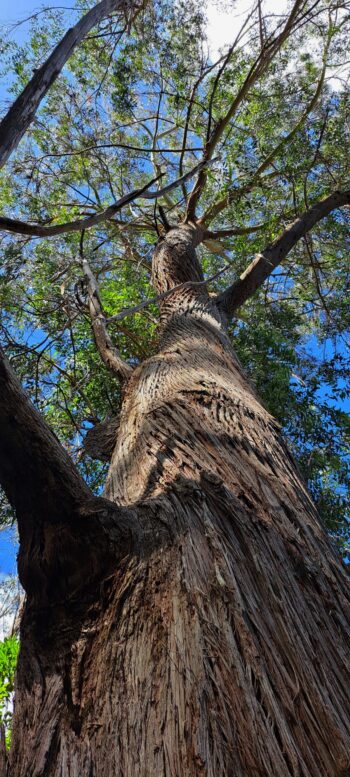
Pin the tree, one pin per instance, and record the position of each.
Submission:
(192, 619)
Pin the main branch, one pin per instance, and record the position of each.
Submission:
(68, 537)
(264, 263)
(36, 473)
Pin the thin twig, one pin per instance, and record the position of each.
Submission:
(35, 230)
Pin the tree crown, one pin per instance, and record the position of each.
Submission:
(254, 139)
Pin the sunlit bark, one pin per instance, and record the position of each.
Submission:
(218, 645)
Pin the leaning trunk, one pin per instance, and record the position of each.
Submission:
(219, 646)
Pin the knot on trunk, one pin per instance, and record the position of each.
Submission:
(100, 440)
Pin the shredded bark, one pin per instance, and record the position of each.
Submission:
(219, 645)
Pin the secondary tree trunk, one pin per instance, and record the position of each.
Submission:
(219, 647)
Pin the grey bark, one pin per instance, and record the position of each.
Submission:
(22, 111)
(265, 263)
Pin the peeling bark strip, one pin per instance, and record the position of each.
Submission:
(22, 111)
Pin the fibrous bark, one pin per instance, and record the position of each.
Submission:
(100, 440)
(219, 644)
(65, 532)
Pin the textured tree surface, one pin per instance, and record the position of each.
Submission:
(192, 620)
(217, 643)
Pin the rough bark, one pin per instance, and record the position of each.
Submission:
(3, 756)
(100, 440)
(219, 646)
(66, 534)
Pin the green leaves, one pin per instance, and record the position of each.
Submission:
(126, 107)
(9, 649)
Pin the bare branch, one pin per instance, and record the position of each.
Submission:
(109, 354)
(197, 83)
(35, 230)
(22, 111)
(264, 264)
(102, 146)
(222, 70)
(216, 234)
(234, 194)
(257, 69)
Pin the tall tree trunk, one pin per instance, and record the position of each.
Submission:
(219, 646)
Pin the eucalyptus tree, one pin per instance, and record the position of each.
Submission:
(162, 208)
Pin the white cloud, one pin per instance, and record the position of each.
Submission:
(224, 23)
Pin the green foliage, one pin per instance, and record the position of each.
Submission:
(9, 648)
(122, 94)
(303, 388)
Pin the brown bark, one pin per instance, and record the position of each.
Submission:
(219, 645)
(99, 441)
(3, 755)
(66, 534)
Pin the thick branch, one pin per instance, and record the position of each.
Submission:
(22, 111)
(36, 473)
(217, 234)
(264, 264)
(69, 539)
(35, 230)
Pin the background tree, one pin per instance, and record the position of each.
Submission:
(192, 620)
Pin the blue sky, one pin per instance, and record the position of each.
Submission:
(8, 551)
